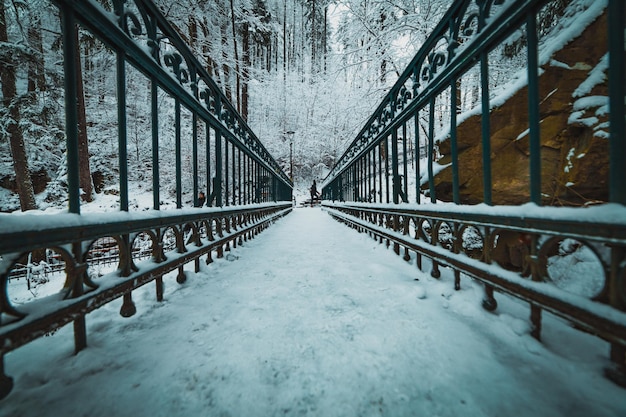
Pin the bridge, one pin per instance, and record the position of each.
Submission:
(503, 249)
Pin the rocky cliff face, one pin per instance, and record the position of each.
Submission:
(574, 134)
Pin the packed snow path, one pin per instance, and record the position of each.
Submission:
(311, 318)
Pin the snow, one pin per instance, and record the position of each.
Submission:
(311, 318)
(597, 216)
(596, 76)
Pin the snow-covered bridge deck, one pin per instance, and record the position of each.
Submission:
(313, 319)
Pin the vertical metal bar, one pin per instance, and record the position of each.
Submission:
(244, 175)
(156, 198)
(486, 128)
(617, 85)
(235, 173)
(122, 129)
(370, 171)
(533, 109)
(380, 172)
(418, 155)
(374, 172)
(208, 163)
(71, 107)
(617, 165)
(226, 177)
(179, 174)
(250, 181)
(387, 199)
(239, 176)
(255, 181)
(80, 325)
(405, 183)
(395, 174)
(71, 131)
(361, 188)
(355, 189)
(6, 382)
(431, 149)
(217, 186)
(194, 156)
(453, 142)
(340, 188)
(362, 178)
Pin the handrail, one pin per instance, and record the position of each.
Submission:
(246, 188)
(368, 186)
(594, 315)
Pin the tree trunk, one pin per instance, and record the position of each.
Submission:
(245, 71)
(237, 74)
(211, 67)
(10, 102)
(284, 40)
(324, 40)
(225, 68)
(36, 75)
(382, 51)
(313, 40)
(193, 33)
(84, 170)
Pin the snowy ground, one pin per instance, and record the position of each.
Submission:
(312, 318)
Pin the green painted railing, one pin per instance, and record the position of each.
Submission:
(508, 248)
(246, 188)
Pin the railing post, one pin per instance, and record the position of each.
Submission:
(156, 195)
(405, 173)
(431, 149)
(617, 278)
(6, 382)
(396, 181)
(418, 155)
(217, 185)
(453, 141)
(208, 164)
(617, 90)
(533, 110)
(71, 110)
(226, 176)
(485, 127)
(194, 157)
(178, 145)
(386, 157)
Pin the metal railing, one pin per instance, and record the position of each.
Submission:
(246, 188)
(509, 248)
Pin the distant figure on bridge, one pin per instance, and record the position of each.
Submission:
(201, 199)
(314, 194)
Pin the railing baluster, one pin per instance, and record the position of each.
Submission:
(194, 157)
(122, 129)
(70, 34)
(405, 171)
(453, 141)
(154, 97)
(617, 91)
(416, 126)
(431, 149)
(178, 151)
(485, 128)
(395, 174)
(533, 110)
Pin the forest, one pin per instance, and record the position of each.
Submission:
(305, 75)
